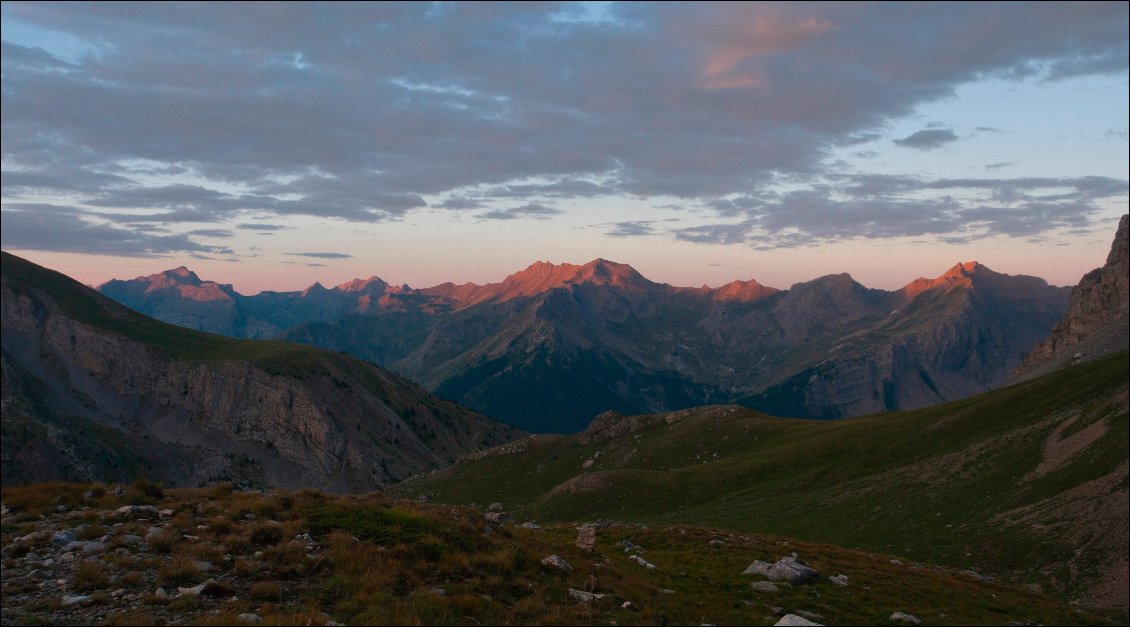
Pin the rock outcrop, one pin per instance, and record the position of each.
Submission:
(1097, 321)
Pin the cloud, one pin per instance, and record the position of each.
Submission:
(990, 129)
(204, 114)
(61, 229)
(219, 233)
(322, 255)
(632, 228)
(928, 139)
(531, 210)
(886, 206)
(1000, 165)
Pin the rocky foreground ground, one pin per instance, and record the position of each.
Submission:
(94, 554)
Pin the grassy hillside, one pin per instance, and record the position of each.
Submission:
(1027, 482)
(307, 558)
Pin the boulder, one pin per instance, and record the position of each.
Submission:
(788, 569)
(62, 538)
(556, 561)
(764, 586)
(906, 618)
(584, 597)
(794, 620)
(586, 537)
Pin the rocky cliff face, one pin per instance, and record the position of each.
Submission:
(93, 391)
(1097, 318)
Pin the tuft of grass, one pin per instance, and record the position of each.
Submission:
(90, 575)
(266, 591)
(145, 492)
(179, 571)
(164, 540)
(265, 534)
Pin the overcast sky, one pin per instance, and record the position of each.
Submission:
(272, 145)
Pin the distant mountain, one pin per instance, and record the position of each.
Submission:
(95, 391)
(553, 345)
(1097, 321)
(934, 340)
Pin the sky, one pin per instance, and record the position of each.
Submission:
(274, 145)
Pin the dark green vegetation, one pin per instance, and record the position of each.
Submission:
(96, 391)
(1028, 483)
(373, 560)
(551, 346)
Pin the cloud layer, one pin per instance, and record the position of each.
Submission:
(197, 114)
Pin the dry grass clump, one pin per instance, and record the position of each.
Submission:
(91, 532)
(243, 567)
(163, 541)
(90, 575)
(265, 534)
(179, 571)
(220, 525)
(266, 591)
(145, 492)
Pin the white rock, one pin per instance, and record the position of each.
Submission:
(584, 597)
(556, 561)
(75, 600)
(906, 618)
(642, 562)
(195, 591)
(793, 620)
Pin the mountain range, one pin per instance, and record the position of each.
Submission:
(520, 350)
(95, 391)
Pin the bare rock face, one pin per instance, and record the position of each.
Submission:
(1097, 318)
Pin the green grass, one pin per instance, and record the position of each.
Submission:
(946, 484)
(381, 561)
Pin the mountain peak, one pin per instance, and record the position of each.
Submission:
(743, 291)
(179, 276)
(966, 268)
(962, 273)
(603, 272)
(373, 283)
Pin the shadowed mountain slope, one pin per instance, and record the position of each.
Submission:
(95, 391)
